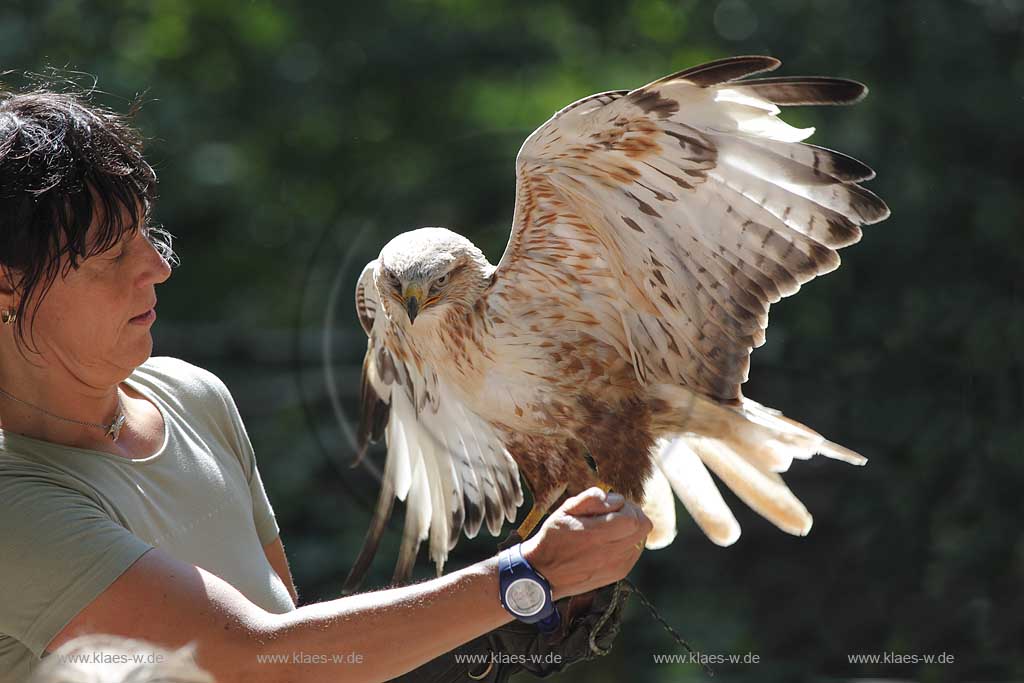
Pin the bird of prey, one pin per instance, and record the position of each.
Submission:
(652, 230)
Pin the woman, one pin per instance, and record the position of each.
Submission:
(130, 499)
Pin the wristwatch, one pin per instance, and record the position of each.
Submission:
(525, 593)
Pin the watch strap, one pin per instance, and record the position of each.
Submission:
(513, 566)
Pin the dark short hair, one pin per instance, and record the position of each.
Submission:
(63, 163)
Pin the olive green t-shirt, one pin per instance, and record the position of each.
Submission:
(72, 520)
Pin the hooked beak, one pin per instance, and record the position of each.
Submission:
(411, 298)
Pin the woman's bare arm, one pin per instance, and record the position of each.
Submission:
(587, 543)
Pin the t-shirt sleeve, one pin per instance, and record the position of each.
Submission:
(221, 404)
(59, 550)
(262, 512)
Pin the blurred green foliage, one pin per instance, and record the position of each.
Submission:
(293, 139)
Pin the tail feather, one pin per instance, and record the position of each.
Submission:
(837, 452)
(692, 483)
(660, 506)
(746, 447)
(800, 441)
(764, 492)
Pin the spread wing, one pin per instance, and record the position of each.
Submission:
(445, 462)
(675, 214)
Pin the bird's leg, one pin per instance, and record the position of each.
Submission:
(541, 506)
(528, 525)
(531, 522)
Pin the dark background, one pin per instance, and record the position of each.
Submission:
(294, 139)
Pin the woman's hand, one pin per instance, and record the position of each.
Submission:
(592, 540)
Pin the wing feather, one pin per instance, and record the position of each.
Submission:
(721, 71)
(797, 90)
(694, 205)
(447, 464)
(417, 516)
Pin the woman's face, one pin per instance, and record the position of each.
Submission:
(89, 322)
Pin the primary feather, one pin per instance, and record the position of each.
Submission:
(652, 230)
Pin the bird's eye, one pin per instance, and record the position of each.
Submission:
(442, 281)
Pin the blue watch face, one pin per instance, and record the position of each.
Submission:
(525, 597)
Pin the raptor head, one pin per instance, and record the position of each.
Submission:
(423, 272)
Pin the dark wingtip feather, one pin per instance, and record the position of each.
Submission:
(362, 564)
(495, 515)
(381, 514)
(797, 90)
(407, 550)
(474, 516)
(869, 206)
(842, 232)
(406, 561)
(723, 70)
(373, 417)
(843, 166)
(457, 521)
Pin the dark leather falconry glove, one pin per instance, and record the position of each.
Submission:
(590, 623)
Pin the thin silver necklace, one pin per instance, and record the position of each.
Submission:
(113, 430)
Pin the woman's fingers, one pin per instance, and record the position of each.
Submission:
(629, 520)
(593, 539)
(613, 526)
(593, 501)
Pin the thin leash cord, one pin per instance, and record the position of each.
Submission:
(597, 649)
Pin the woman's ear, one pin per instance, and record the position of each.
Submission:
(8, 293)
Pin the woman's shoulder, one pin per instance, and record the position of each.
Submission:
(180, 379)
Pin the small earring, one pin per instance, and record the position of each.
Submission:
(8, 316)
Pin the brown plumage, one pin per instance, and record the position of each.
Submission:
(653, 228)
